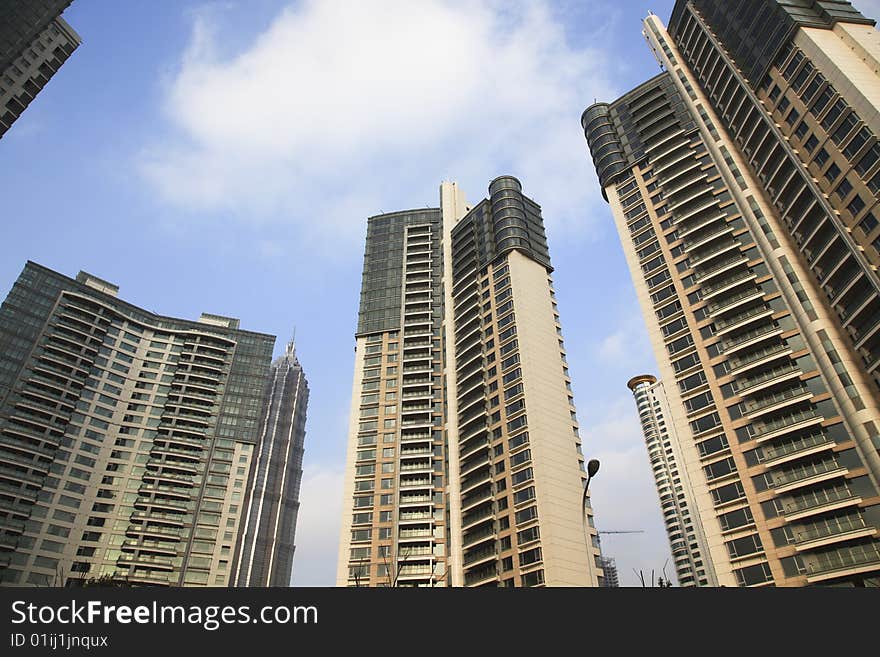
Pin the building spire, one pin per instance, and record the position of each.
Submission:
(291, 346)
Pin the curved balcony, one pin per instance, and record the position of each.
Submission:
(699, 224)
(670, 190)
(853, 559)
(477, 478)
(805, 474)
(479, 556)
(751, 385)
(480, 576)
(740, 364)
(819, 501)
(714, 289)
(698, 259)
(741, 320)
(781, 425)
(13, 473)
(814, 443)
(476, 497)
(753, 336)
(755, 407)
(704, 274)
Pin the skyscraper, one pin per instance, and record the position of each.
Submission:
(759, 293)
(686, 540)
(125, 437)
(464, 463)
(34, 42)
(273, 501)
(609, 569)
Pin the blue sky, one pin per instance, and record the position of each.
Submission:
(223, 157)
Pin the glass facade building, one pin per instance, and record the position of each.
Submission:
(126, 437)
(34, 42)
(273, 501)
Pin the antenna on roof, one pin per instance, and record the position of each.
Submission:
(291, 346)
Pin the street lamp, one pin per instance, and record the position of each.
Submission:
(592, 469)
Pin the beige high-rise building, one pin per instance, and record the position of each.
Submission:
(743, 182)
(464, 463)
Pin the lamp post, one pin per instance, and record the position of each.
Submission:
(592, 469)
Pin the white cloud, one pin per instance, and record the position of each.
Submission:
(628, 345)
(340, 110)
(317, 530)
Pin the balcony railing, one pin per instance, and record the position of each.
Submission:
(748, 336)
(739, 318)
(736, 363)
(414, 499)
(789, 420)
(754, 405)
(12, 472)
(423, 465)
(801, 444)
(707, 237)
(473, 537)
(696, 259)
(471, 517)
(479, 555)
(803, 472)
(739, 277)
(844, 558)
(829, 527)
(727, 302)
(415, 533)
(703, 274)
(413, 483)
(416, 516)
(743, 385)
(816, 499)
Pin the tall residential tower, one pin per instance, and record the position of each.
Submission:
(126, 437)
(266, 557)
(740, 180)
(464, 462)
(34, 42)
(693, 566)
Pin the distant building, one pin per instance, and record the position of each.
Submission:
(686, 540)
(266, 557)
(34, 42)
(609, 567)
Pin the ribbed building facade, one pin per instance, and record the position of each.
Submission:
(34, 42)
(126, 437)
(267, 548)
(756, 284)
(683, 527)
(464, 463)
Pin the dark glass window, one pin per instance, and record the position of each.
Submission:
(843, 189)
(856, 205)
(868, 223)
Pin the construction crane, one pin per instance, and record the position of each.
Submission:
(623, 531)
